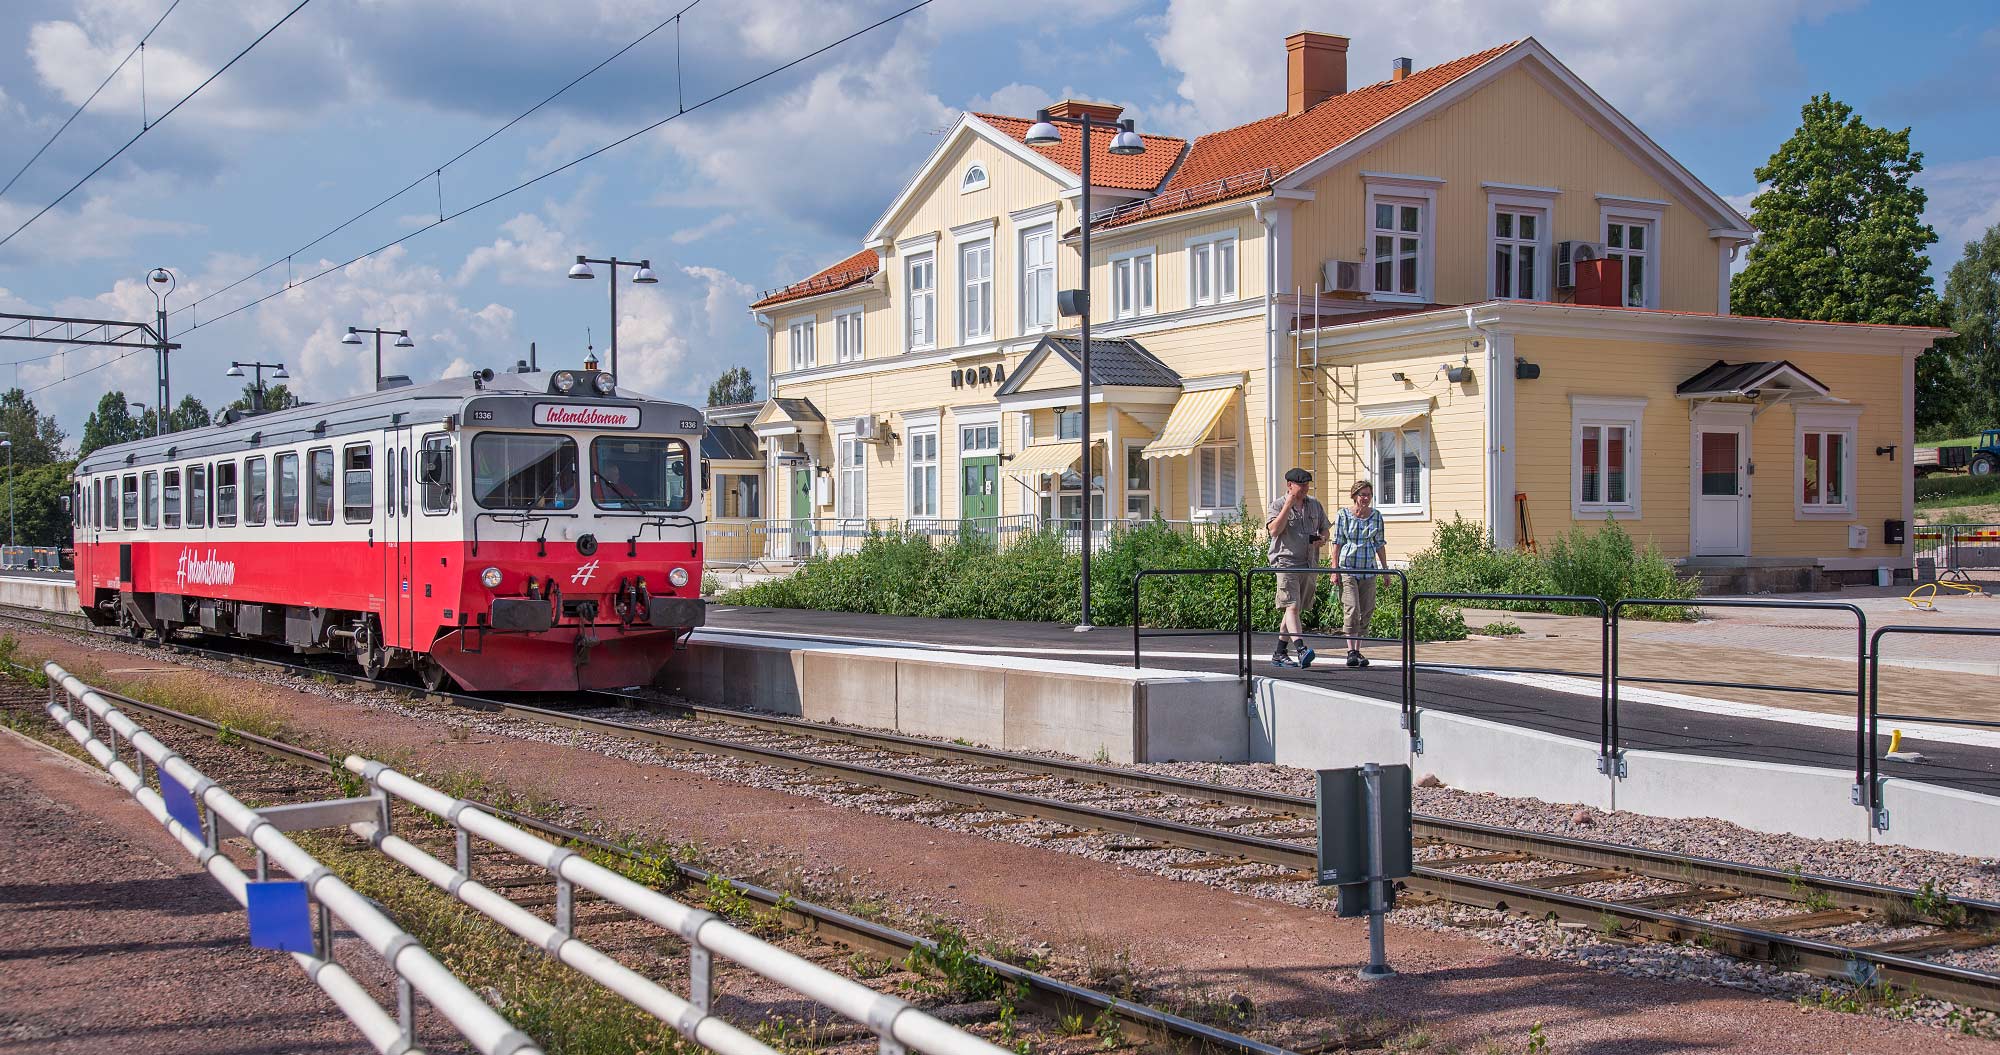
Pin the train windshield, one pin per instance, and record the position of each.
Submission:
(639, 473)
(512, 470)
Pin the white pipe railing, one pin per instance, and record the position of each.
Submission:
(481, 1026)
(899, 1024)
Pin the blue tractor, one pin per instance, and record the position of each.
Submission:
(1985, 459)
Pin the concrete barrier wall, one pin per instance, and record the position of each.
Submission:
(1935, 818)
(49, 595)
(1082, 709)
(1482, 755)
(1766, 796)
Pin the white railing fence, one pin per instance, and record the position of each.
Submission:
(417, 971)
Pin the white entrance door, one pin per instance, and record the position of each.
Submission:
(1721, 487)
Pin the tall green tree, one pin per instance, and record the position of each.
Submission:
(189, 413)
(276, 397)
(111, 423)
(36, 437)
(1841, 236)
(734, 386)
(1972, 307)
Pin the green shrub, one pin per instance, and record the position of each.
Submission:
(1604, 564)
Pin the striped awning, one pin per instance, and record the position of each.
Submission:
(1385, 422)
(1046, 458)
(1192, 419)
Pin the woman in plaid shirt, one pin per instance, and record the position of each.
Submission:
(1357, 543)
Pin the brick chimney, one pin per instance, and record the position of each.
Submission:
(1400, 70)
(1315, 70)
(1077, 108)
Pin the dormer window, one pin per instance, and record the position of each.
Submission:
(974, 178)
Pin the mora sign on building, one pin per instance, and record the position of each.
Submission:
(574, 415)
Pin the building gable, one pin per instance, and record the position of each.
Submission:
(941, 174)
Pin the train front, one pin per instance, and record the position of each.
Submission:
(582, 558)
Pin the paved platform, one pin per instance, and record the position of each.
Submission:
(1649, 720)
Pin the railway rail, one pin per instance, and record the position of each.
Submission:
(1947, 923)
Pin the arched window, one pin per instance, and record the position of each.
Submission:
(974, 179)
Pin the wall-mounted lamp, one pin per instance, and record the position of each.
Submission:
(1458, 375)
(1400, 376)
(1889, 451)
(1525, 370)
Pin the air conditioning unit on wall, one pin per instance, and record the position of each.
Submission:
(1341, 276)
(870, 429)
(1570, 254)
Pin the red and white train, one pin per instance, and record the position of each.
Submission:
(522, 532)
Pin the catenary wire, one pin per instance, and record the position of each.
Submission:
(116, 154)
(525, 184)
(57, 134)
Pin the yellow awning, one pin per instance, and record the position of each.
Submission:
(1193, 418)
(1046, 458)
(1385, 423)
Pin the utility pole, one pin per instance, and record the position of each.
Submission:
(163, 393)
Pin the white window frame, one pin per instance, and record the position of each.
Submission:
(1843, 421)
(1615, 412)
(926, 296)
(1630, 212)
(800, 333)
(1211, 452)
(1134, 295)
(847, 331)
(1538, 202)
(1210, 280)
(850, 480)
(922, 475)
(974, 178)
(975, 290)
(1031, 271)
(1398, 190)
(1411, 435)
(1148, 492)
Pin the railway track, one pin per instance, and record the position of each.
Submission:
(1783, 909)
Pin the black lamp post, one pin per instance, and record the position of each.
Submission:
(257, 384)
(162, 283)
(354, 337)
(644, 277)
(1077, 302)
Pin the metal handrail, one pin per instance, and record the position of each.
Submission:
(1860, 692)
(1871, 781)
(1605, 716)
(1403, 606)
(413, 965)
(898, 1023)
(1242, 649)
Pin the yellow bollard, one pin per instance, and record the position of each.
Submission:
(1895, 741)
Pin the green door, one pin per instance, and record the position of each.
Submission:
(801, 513)
(979, 488)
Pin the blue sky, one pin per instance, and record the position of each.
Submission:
(353, 99)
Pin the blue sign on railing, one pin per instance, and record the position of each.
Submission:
(180, 804)
(280, 916)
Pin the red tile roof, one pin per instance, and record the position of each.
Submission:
(1282, 143)
(1134, 172)
(852, 271)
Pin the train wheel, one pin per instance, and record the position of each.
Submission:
(431, 673)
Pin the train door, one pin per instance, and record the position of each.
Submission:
(83, 513)
(406, 542)
(398, 550)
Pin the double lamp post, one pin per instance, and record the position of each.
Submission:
(1125, 143)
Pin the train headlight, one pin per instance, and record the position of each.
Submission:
(678, 576)
(605, 384)
(490, 578)
(563, 381)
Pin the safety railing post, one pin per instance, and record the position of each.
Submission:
(701, 978)
(406, 1010)
(1608, 708)
(1868, 781)
(565, 906)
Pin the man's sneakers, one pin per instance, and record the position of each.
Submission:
(1306, 655)
(1283, 658)
(1302, 658)
(1355, 659)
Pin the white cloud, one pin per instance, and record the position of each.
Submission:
(726, 296)
(104, 221)
(698, 232)
(1964, 200)
(1014, 100)
(1658, 63)
(531, 252)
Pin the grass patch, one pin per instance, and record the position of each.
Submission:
(1501, 628)
(1944, 491)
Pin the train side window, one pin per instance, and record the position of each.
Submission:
(128, 503)
(172, 491)
(403, 476)
(256, 481)
(197, 485)
(225, 494)
(288, 489)
(320, 461)
(152, 506)
(97, 501)
(357, 481)
(435, 481)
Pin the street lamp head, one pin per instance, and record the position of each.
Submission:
(1042, 133)
(403, 340)
(581, 270)
(233, 371)
(352, 337)
(162, 277)
(281, 375)
(645, 276)
(1127, 142)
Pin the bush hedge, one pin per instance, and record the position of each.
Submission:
(1035, 578)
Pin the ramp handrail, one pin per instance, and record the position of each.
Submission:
(481, 1026)
(1871, 778)
(1242, 648)
(898, 1023)
(1604, 743)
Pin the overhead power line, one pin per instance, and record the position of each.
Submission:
(564, 167)
(155, 124)
(136, 48)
